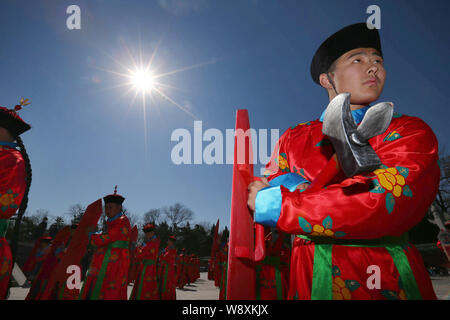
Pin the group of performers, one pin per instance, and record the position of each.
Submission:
(116, 263)
(340, 231)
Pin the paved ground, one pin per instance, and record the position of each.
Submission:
(204, 289)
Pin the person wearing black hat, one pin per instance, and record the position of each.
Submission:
(107, 277)
(146, 284)
(167, 271)
(351, 238)
(15, 181)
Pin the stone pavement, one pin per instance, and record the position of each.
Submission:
(204, 289)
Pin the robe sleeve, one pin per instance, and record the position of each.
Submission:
(386, 202)
(12, 182)
(278, 173)
(119, 231)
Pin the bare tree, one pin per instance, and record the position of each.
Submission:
(134, 219)
(443, 196)
(177, 214)
(153, 216)
(76, 212)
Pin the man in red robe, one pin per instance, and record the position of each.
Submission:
(107, 277)
(352, 235)
(146, 283)
(181, 269)
(270, 284)
(44, 251)
(167, 271)
(15, 180)
(58, 291)
(56, 250)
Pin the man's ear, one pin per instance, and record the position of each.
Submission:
(324, 81)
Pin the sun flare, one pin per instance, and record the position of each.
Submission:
(143, 80)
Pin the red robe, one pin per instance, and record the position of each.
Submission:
(167, 274)
(107, 277)
(270, 284)
(60, 291)
(12, 189)
(56, 251)
(134, 264)
(210, 269)
(146, 284)
(181, 271)
(29, 263)
(285, 257)
(351, 234)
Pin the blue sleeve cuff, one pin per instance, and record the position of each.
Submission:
(268, 206)
(289, 180)
(268, 200)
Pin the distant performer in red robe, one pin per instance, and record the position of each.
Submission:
(223, 269)
(42, 252)
(59, 291)
(49, 262)
(146, 283)
(352, 235)
(15, 180)
(168, 275)
(181, 269)
(107, 277)
(270, 283)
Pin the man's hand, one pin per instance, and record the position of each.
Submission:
(255, 186)
(302, 186)
(253, 189)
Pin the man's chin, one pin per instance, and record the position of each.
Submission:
(365, 100)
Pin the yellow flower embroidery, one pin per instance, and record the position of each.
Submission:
(6, 199)
(282, 163)
(391, 180)
(4, 268)
(340, 291)
(319, 230)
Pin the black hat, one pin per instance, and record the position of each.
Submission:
(148, 227)
(114, 198)
(10, 120)
(351, 37)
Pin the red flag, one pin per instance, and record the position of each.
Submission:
(245, 246)
(77, 247)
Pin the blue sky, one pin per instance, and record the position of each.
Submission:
(89, 134)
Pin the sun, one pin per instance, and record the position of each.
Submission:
(143, 80)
